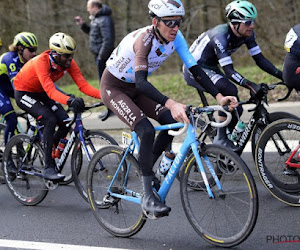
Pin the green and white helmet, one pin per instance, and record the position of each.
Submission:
(241, 10)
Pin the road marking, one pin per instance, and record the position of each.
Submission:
(45, 245)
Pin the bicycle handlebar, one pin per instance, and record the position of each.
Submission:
(180, 131)
(224, 123)
(72, 120)
(208, 109)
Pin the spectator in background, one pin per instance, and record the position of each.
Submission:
(101, 35)
(0, 43)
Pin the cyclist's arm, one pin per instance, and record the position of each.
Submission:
(267, 66)
(147, 88)
(260, 60)
(188, 59)
(141, 72)
(81, 82)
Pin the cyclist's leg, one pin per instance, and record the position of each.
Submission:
(120, 100)
(60, 114)
(33, 103)
(290, 73)
(7, 110)
(226, 88)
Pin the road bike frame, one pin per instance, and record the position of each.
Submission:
(189, 142)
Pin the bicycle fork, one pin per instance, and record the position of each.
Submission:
(194, 147)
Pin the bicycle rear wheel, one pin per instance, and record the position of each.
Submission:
(117, 216)
(28, 189)
(229, 218)
(94, 141)
(275, 146)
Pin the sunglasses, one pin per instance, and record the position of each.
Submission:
(67, 55)
(32, 49)
(172, 23)
(246, 22)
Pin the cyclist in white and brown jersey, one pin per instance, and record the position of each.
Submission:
(127, 92)
(214, 47)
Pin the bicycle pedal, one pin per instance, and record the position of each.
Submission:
(51, 185)
(152, 216)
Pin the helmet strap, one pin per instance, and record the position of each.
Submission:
(160, 35)
(237, 27)
(55, 61)
(20, 52)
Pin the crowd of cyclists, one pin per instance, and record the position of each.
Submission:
(125, 89)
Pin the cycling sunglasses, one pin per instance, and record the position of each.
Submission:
(32, 49)
(246, 22)
(67, 55)
(172, 23)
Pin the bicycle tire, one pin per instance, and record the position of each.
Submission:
(229, 218)
(28, 189)
(92, 138)
(257, 130)
(2, 148)
(118, 216)
(282, 182)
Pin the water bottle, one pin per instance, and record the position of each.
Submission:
(31, 130)
(238, 129)
(166, 163)
(60, 147)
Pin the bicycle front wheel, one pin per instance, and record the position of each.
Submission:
(227, 219)
(258, 129)
(27, 188)
(94, 140)
(277, 145)
(118, 216)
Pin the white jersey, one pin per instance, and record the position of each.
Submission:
(141, 50)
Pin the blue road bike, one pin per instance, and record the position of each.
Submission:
(223, 212)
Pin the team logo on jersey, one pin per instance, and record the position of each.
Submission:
(297, 71)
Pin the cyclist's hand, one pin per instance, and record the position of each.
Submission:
(77, 104)
(178, 111)
(254, 88)
(231, 101)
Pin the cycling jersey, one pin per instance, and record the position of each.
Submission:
(292, 41)
(10, 65)
(39, 75)
(130, 56)
(291, 66)
(215, 46)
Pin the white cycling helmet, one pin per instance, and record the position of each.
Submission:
(163, 8)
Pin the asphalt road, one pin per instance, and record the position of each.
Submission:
(64, 220)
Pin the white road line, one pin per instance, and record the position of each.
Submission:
(45, 245)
